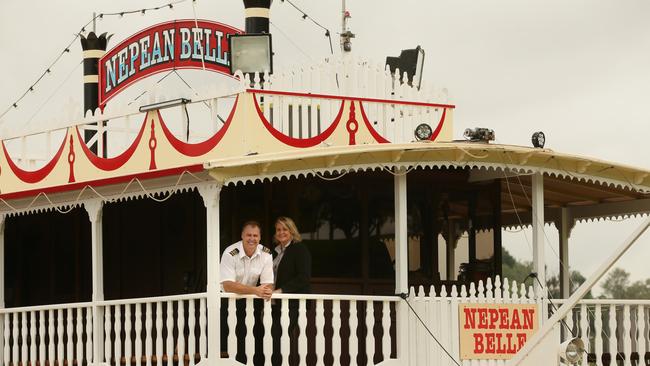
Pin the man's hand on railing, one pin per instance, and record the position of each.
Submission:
(264, 291)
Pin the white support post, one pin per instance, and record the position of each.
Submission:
(564, 230)
(538, 229)
(401, 265)
(94, 209)
(210, 195)
(2, 282)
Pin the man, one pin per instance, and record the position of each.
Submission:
(243, 265)
(247, 263)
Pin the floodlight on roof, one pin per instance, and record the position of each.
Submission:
(251, 53)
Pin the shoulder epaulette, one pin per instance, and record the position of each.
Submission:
(234, 252)
(266, 250)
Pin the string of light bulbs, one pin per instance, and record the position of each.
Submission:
(306, 16)
(66, 50)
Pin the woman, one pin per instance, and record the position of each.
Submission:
(292, 273)
(292, 263)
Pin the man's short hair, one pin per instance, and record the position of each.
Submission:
(251, 223)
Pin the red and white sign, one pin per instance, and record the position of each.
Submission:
(179, 44)
(495, 331)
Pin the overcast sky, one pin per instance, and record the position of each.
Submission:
(577, 70)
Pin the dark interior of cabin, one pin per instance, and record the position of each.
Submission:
(156, 248)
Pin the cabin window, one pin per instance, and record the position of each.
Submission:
(48, 258)
(347, 223)
(453, 227)
(154, 248)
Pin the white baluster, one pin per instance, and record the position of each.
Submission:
(6, 347)
(569, 322)
(336, 332)
(89, 336)
(267, 321)
(320, 336)
(169, 340)
(627, 340)
(613, 336)
(313, 106)
(598, 335)
(452, 307)
(138, 334)
(354, 342)
(41, 337)
(148, 325)
(422, 340)
(14, 346)
(128, 343)
(191, 339)
(232, 324)
(439, 314)
(643, 330)
(32, 336)
(370, 334)
(69, 356)
(24, 351)
(256, 80)
(304, 117)
(284, 340)
(51, 356)
(385, 325)
(584, 330)
(159, 328)
(203, 342)
(79, 332)
(285, 105)
(249, 340)
(302, 325)
(59, 332)
(118, 334)
(295, 117)
(107, 334)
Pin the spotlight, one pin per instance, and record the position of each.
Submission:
(571, 351)
(251, 53)
(479, 134)
(423, 132)
(539, 139)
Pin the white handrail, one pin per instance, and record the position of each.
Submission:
(392, 298)
(45, 307)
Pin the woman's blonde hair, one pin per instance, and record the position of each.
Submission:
(291, 226)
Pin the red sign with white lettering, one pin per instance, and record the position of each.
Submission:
(179, 44)
(495, 331)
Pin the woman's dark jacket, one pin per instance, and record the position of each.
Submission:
(294, 270)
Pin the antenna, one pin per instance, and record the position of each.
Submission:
(346, 34)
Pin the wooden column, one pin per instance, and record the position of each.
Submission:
(538, 229)
(401, 264)
(564, 227)
(94, 209)
(210, 195)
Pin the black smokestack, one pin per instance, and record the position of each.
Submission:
(94, 48)
(257, 15)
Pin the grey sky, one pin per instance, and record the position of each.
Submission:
(577, 70)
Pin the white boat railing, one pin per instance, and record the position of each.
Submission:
(311, 329)
(170, 330)
(610, 329)
(439, 312)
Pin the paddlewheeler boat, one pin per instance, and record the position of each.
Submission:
(113, 225)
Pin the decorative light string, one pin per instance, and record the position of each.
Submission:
(306, 16)
(48, 70)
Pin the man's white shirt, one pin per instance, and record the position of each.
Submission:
(236, 266)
